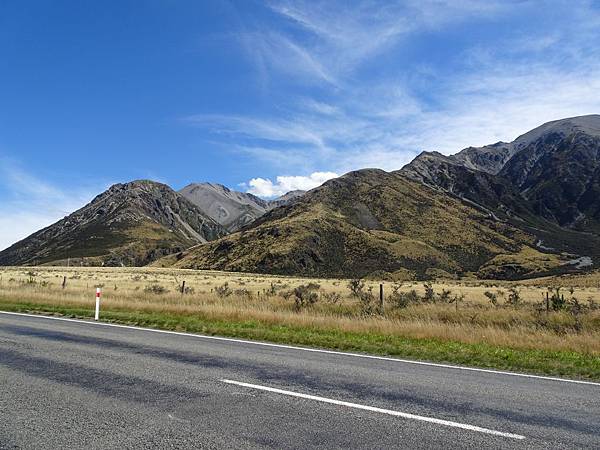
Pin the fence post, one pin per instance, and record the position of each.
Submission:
(381, 305)
(547, 302)
(64, 283)
(183, 287)
(98, 294)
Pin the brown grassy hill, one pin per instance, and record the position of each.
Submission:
(371, 222)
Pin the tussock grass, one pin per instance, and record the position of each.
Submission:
(523, 337)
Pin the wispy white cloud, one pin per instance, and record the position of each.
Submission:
(272, 51)
(264, 187)
(497, 102)
(31, 203)
(348, 36)
(279, 159)
(255, 128)
(339, 38)
(494, 90)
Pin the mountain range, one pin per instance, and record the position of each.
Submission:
(133, 224)
(554, 169)
(508, 210)
(129, 224)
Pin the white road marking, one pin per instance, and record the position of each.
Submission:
(390, 412)
(305, 349)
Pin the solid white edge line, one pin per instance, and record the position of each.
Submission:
(390, 412)
(306, 349)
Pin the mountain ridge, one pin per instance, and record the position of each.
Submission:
(232, 209)
(128, 224)
(535, 242)
(492, 158)
(506, 210)
(567, 149)
(346, 227)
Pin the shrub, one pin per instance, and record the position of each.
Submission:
(401, 299)
(364, 296)
(557, 300)
(514, 297)
(367, 302)
(272, 290)
(305, 295)
(31, 277)
(444, 296)
(356, 286)
(223, 290)
(287, 294)
(243, 293)
(331, 297)
(156, 289)
(429, 292)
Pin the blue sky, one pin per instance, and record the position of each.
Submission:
(269, 96)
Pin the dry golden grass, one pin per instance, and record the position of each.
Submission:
(261, 298)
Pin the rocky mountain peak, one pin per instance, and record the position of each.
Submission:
(492, 158)
(589, 125)
(232, 209)
(551, 173)
(130, 224)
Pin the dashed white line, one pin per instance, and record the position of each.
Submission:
(305, 349)
(446, 423)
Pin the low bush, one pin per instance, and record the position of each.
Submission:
(305, 295)
(400, 299)
(223, 290)
(156, 289)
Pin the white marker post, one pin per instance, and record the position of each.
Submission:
(98, 294)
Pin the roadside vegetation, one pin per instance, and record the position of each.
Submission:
(549, 326)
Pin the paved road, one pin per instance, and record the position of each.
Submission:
(69, 384)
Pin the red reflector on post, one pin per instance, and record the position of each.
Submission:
(97, 315)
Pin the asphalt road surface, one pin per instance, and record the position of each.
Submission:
(73, 384)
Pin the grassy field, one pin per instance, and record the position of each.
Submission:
(488, 324)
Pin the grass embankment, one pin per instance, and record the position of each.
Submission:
(500, 337)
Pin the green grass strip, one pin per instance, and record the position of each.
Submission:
(556, 363)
